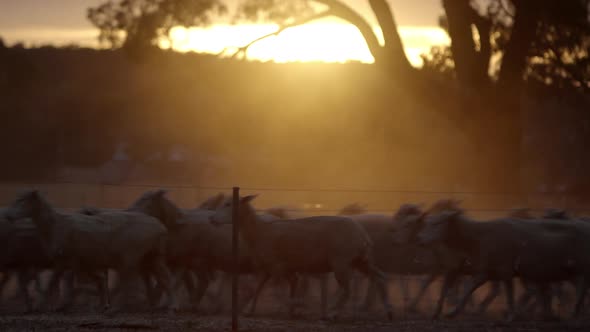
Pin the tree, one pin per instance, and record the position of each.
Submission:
(138, 25)
(284, 12)
(557, 55)
(495, 46)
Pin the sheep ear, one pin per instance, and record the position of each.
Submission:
(247, 199)
(161, 192)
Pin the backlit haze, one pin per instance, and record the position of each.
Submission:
(62, 22)
(322, 41)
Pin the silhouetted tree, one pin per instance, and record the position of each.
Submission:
(495, 46)
(479, 30)
(439, 61)
(390, 54)
(138, 25)
(556, 56)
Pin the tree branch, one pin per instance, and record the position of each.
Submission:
(344, 12)
(339, 10)
(484, 28)
(393, 43)
(244, 49)
(468, 65)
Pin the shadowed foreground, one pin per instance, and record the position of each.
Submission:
(181, 322)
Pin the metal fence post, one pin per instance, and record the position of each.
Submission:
(236, 262)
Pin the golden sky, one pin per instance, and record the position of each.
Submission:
(63, 21)
(329, 41)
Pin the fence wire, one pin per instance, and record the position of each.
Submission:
(73, 195)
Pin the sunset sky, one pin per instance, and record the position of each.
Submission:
(64, 21)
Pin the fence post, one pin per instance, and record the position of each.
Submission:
(236, 262)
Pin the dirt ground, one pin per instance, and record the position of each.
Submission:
(272, 317)
(191, 322)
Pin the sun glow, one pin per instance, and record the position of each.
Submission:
(321, 41)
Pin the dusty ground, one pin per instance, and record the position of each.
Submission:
(189, 322)
(272, 317)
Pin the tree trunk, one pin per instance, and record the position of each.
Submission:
(394, 55)
(471, 66)
(516, 53)
(509, 88)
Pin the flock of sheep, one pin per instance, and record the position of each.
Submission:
(166, 247)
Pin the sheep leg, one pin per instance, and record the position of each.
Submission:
(106, 288)
(545, 290)
(116, 282)
(370, 297)
(492, 294)
(561, 292)
(324, 295)
(163, 278)
(203, 284)
(382, 290)
(532, 298)
(581, 289)
(452, 294)
(218, 295)
(470, 300)
(6, 275)
(153, 292)
(355, 286)
(189, 283)
(293, 293)
(302, 292)
(177, 278)
(37, 280)
(509, 286)
(34, 276)
(476, 282)
(126, 277)
(259, 288)
(180, 277)
(23, 282)
(423, 287)
(525, 299)
(448, 281)
(69, 292)
(102, 285)
(379, 279)
(404, 288)
(342, 275)
(53, 287)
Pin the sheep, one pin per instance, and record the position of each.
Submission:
(308, 245)
(129, 242)
(539, 252)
